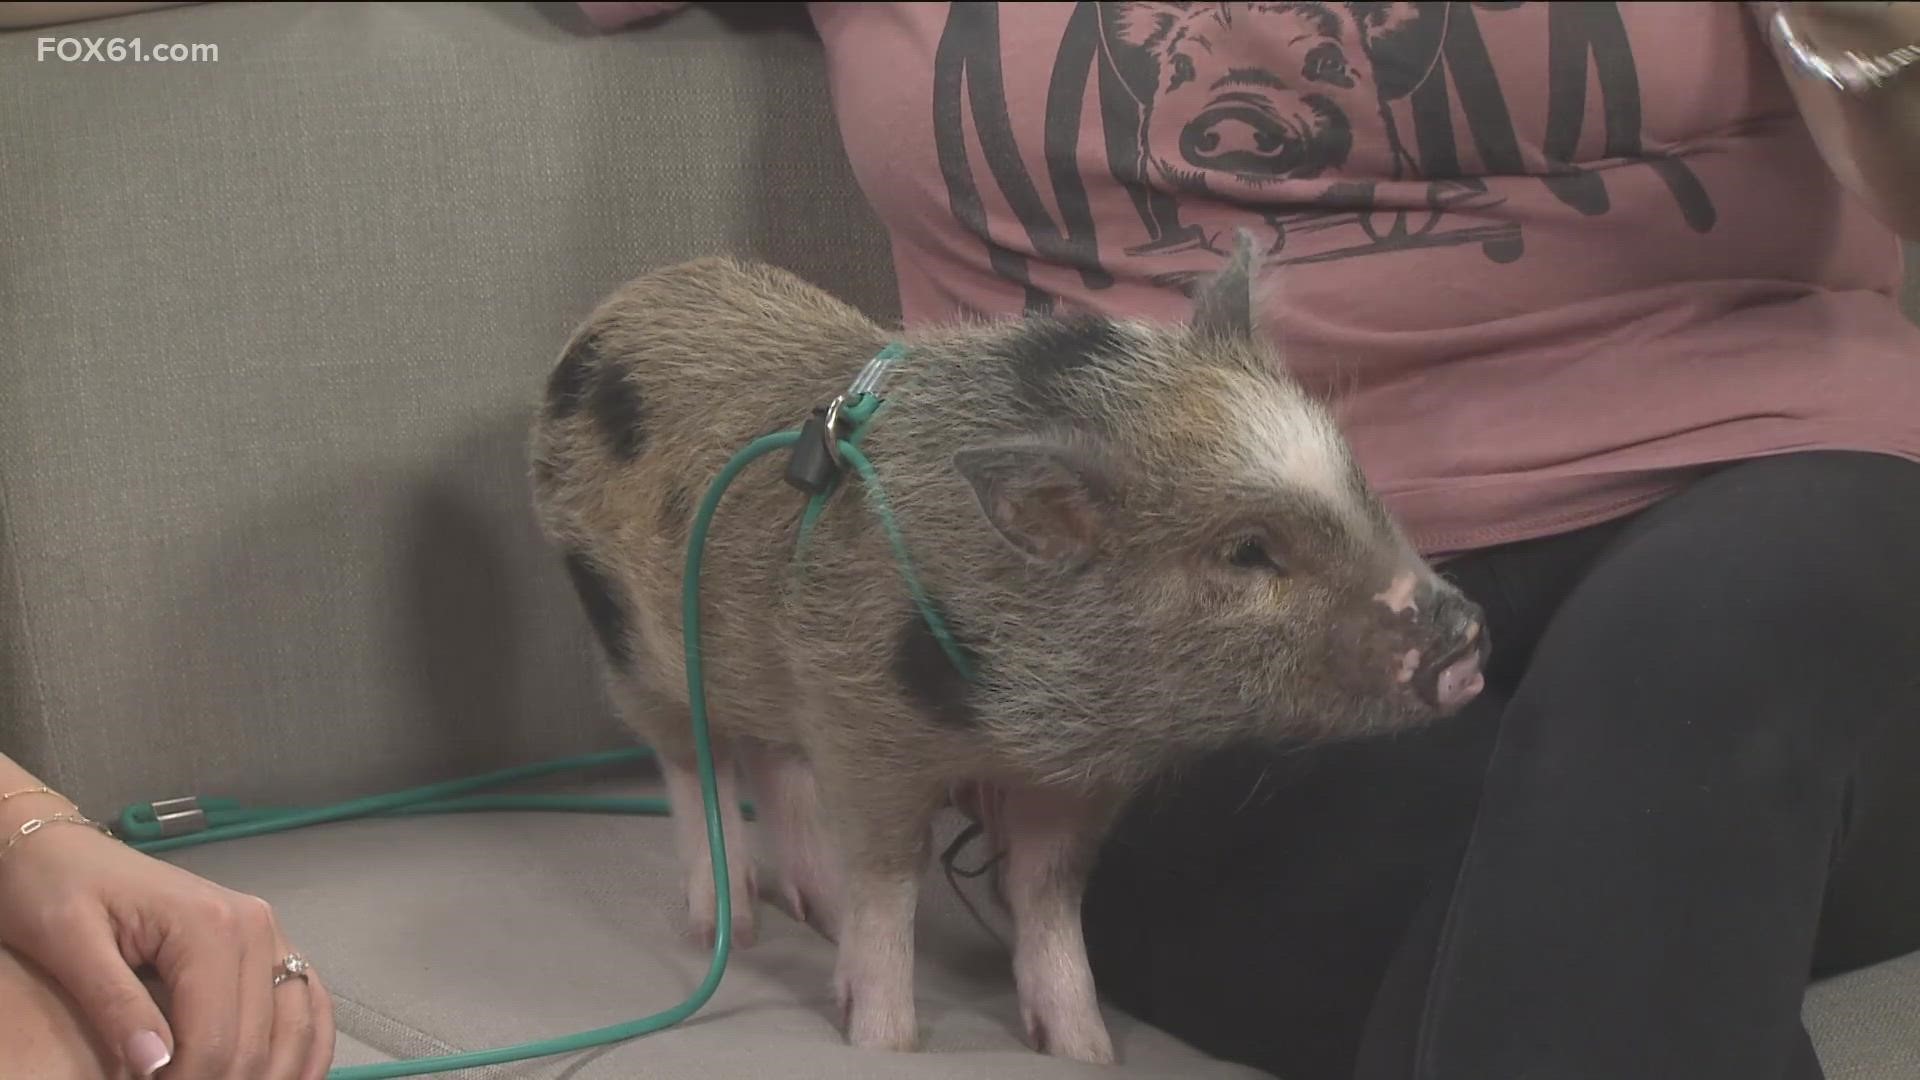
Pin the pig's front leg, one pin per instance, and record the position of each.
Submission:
(1051, 838)
(882, 823)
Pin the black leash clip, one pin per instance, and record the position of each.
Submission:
(815, 463)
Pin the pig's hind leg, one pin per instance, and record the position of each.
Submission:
(668, 727)
(1051, 838)
(787, 806)
(880, 816)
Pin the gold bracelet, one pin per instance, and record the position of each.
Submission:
(42, 790)
(34, 825)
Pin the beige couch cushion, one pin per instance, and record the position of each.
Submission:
(474, 931)
(463, 933)
(1867, 1024)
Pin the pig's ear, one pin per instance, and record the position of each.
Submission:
(1223, 304)
(1049, 500)
(1141, 25)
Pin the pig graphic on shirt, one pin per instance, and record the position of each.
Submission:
(1220, 107)
(1245, 97)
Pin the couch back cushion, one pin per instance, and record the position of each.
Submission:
(271, 329)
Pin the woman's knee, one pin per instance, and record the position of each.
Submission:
(1753, 629)
(44, 1035)
(1791, 535)
(1784, 575)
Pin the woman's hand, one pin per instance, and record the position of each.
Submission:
(1871, 141)
(95, 915)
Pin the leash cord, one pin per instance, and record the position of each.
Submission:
(236, 822)
(144, 828)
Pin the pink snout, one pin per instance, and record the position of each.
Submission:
(1458, 683)
(1442, 638)
(1456, 678)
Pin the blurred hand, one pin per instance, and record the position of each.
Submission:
(1869, 28)
(95, 915)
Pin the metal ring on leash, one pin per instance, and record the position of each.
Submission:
(832, 424)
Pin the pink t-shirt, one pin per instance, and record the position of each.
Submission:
(1544, 258)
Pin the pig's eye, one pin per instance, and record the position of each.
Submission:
(1326, 64)
(1249, 553)
(1182, 71)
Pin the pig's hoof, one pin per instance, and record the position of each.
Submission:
(882, 1027)
(1086, 1040)
(700, 909)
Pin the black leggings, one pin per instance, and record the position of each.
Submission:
(1694, 781)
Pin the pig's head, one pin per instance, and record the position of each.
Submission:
(1263, 92)
(1173, 549)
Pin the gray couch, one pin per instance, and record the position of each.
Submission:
(269, 332)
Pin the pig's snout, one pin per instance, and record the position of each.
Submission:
(1454, 674)
(1454, 679)
(1243, 132)
(1249, 133)
(1238, 135)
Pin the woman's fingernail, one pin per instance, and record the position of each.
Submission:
(147, 1054)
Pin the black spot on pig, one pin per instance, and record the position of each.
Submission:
(927, 674)
(605, 610)
(572, 376)
(618, 411)
(1045, 353)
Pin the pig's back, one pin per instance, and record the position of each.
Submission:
(717, 347)
(657, 389)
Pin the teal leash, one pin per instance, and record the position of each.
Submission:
(861, 411)
(159, 827)
(155, 828)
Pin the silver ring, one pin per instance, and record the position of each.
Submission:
(832, 423)
(291, 966)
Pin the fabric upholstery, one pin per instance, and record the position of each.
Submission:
(482, 930)
(270, 328)
(1867, 1024)
(452, 934)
